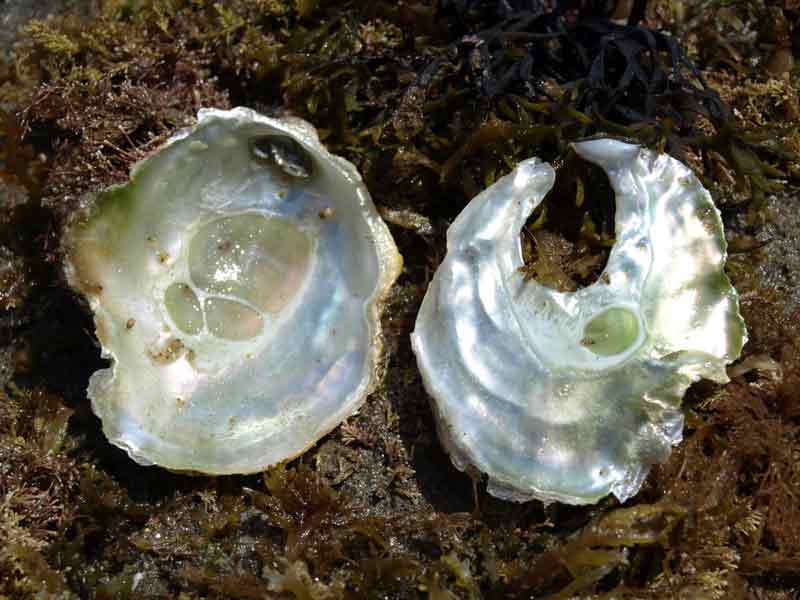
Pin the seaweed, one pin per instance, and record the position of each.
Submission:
(623, 73)
(628, 80)
(36, 490)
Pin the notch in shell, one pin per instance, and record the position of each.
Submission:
(236, 283)
(571, 396)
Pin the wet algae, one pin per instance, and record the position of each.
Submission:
(444, 97)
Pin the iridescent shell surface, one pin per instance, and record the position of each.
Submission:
(571, 396)
(236, 282)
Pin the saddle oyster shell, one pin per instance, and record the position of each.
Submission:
(236, 282)
(571, 396)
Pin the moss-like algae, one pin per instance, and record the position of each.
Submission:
(444, 99)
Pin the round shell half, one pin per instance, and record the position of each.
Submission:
(571, 396)
(236, 282)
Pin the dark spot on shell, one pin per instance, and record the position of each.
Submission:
(285, 153)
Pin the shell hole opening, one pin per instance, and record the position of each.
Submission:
(567, 240)
(284, 153)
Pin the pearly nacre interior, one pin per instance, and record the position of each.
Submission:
(571, 396)
(236, 283)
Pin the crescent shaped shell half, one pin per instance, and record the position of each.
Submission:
(571, 396)
(236, 282)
